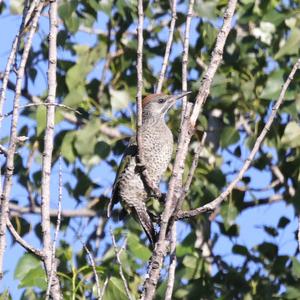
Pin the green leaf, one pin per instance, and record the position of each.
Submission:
(136, 248)
(25, 264)
(296, 267)
(291, 135)
(241, 250)
(67, 149)
(86, 138)
(40, 119)
(229, 136)
(115, 290)
(291, 46)
(292, 293)
(102, 149)
(283, 222)
(75, 97)
(119, 99)
(273, 85)
(229, 213)
(34, 278)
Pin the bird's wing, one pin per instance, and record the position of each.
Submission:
(130, 152)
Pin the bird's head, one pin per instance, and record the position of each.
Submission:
(157, 105)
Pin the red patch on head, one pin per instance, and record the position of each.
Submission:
(150, 98)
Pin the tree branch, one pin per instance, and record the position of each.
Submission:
(168, 48)
(185, 57)
(47, 155)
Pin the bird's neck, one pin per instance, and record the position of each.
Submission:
(151, 120)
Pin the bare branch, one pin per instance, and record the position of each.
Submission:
(120, 263)
(92, 262)
(53, 262)
(42, 104)
(47, 155)
(215, 61)
(13, 136)
(172, 266)
(104, 288)
(22, 242)
(185, 56)
(216, 202)
(67, 213)
(168, 48)
(194, 165)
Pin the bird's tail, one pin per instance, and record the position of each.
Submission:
(145, 220)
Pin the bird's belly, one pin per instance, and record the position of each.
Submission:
(157, 159)
(131, 187)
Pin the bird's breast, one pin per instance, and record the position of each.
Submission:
(157, 150)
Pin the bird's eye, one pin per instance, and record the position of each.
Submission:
(161, 100)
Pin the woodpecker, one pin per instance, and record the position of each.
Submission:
(157, 142)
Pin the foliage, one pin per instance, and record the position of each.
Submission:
(259, 52)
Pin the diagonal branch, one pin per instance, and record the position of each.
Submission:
(216, 202)
(168, 48)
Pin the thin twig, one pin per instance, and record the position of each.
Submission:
(93, 264)
(47, 155)
(194, 165)
(168, 48)
(59, 209)
(216, 202)
(185, 57)
(67, 213)
(42, 104)
(104, 288)
(173, 263)
(107, 62)
(117, 253)
(13, 138)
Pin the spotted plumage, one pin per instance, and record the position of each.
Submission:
(157, 141)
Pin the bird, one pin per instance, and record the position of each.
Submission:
(157, 147)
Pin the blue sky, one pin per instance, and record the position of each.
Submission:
(250, 221)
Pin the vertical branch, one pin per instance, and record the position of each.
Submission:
(47, 154)
(168, 48)
(139, 69)
(53, 262)
(185, 56)
(172, 266)
(117, 253)
(13, 132)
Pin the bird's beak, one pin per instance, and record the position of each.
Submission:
(172, 99)
(181, 95)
